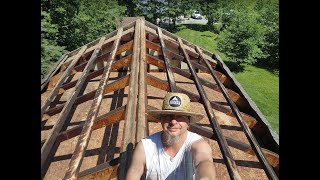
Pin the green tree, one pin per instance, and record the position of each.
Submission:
(242, 39)
(95, 18)
(151, 9)
(62, 13)
(50, 50)
(269, 17)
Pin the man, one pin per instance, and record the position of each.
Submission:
(163, 154)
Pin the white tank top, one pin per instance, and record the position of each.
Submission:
(159, 164)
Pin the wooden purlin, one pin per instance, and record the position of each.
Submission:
(139, 117)
(272, 157)
(84, 138)
(255, 146)
(273, 139)
(105, 170)
(53, 70)
(46, 148)
(228, 159)
(160, 64)
(163, 85)
(113, 86)
(169, 39)
(54, 91)
(214, 59)
(142, 127)
(65, 59)
(156, 47)
(67, 107)
(102, 121)
(125, 61)
(115, 66)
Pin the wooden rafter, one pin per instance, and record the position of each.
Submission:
(170, 77)
(163, 85)
(142, 127)
(116, 85)
(131, 111)
(46, 148)
(160, 64)
(226, 153)
(83, 140)
(143, 46)
(54, 92)
(255, 146)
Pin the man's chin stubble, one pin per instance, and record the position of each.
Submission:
(170, 140)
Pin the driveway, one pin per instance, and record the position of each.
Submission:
(193, 21)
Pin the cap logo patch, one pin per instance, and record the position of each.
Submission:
(175, 101)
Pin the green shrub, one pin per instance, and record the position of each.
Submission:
(241, 40)
(217, 27)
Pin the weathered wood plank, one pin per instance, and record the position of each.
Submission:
(272, 157)
(115, 66)
(226, 153)
(107, 173)
(142, 127)
(102, 121)
(263, 129)
(54, 92)
(131, 111)
(77, 157)
(157, 48)
(125, 47)
(53, 70)
(163, 85)
(169, 73)
(252, 140)
(109, 38)
(160, 64)
(105, 170)
(46, 148)
(67, 107)
(114, 86)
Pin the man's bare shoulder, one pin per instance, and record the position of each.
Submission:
(138, 162)
(200, 144)
(139, 149)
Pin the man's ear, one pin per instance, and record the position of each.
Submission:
(188, 122)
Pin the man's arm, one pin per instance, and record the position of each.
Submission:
(138, 162)
(202, 159)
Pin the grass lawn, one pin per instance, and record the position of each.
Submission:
(261, 85)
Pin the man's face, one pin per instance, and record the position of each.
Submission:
(175, 125)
